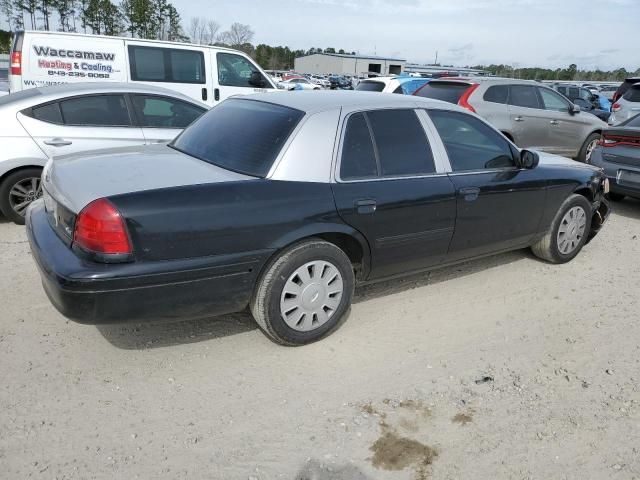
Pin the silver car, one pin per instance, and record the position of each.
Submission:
(530, 114)
(41, 123)
(627, 106)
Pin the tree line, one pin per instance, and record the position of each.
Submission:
(160, 20)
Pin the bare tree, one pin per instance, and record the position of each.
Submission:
(238, 34)
(213, 28)
(196, 30)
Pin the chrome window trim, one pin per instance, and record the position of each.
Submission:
(340, 143)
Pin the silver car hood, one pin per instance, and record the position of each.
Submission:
(76, 180)
(551, 159)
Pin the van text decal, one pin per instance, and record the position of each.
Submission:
(64, 53)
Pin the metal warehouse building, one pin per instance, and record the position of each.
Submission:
(342, 64)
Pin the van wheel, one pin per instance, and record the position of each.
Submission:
(304, 293)
(568, 233)
(17, 191)
(588, 147)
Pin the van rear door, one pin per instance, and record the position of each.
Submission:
(178, 68)
(236, 74)
(50, 58)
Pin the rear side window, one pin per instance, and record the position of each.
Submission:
(401, 143)
(496, 94)
(244, 136)
(164, 112)
(369, 86)
(470, 143)
(152, 64)
(633, 94)
(446, 91)
(358, 155)
(236, 71)
(97, 110)
(47, 113)
(523, 96)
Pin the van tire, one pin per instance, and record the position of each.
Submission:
(588, 143)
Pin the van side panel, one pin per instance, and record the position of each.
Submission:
(52, 59)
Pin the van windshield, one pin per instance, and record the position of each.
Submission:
(244, 136)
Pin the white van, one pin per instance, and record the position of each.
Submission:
(204, 73)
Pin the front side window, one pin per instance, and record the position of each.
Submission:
(171, 65)
(470, 143)
(523, 96)
(552, 101)
(237, 71)
(97, 110)
(244, 136)
(164, 112)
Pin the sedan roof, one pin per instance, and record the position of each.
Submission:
(318, 101)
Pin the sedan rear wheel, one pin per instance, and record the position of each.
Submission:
(304, 293)
(18, 191)
(568, 232)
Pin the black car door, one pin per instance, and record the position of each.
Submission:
(499, 205)
(388, 188)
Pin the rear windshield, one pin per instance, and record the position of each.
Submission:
(244, 136)
(626, 85)
(367, 86)
(447, 91)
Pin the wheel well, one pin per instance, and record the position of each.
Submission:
(348, 245)
(586, 193)
(17, 169)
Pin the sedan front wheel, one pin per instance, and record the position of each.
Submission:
(304, 293)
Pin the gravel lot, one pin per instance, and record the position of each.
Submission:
(505, 367)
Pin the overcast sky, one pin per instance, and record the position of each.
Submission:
(548, 33)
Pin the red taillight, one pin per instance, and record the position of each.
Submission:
(16, 63)
(464, 99)
(99, 228)
(616, 96)
(615, 140)
(615, 107)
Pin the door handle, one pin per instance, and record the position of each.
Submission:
(519, 119)
(366, 206)
(58, 142)
(554, 122)
(204, 94)
(216, 94)
(469, 193)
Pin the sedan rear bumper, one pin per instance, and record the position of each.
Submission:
(171, 290)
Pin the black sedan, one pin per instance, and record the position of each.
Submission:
(618, 153)
(284, 202)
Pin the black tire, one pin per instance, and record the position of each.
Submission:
(582, 155)
(616, 197)
(547, 247)
(265, 304)
(8, 201)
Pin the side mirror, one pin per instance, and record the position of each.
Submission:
(573, 109)
(529, 159)
(256, 79)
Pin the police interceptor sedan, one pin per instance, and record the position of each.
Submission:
(284, 203)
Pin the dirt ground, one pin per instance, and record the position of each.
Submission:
(505, 367)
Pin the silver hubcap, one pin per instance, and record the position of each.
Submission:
(311, 296)
(590, 148)
(23, 193)
(571, 230)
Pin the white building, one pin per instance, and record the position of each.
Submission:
(343, 64)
